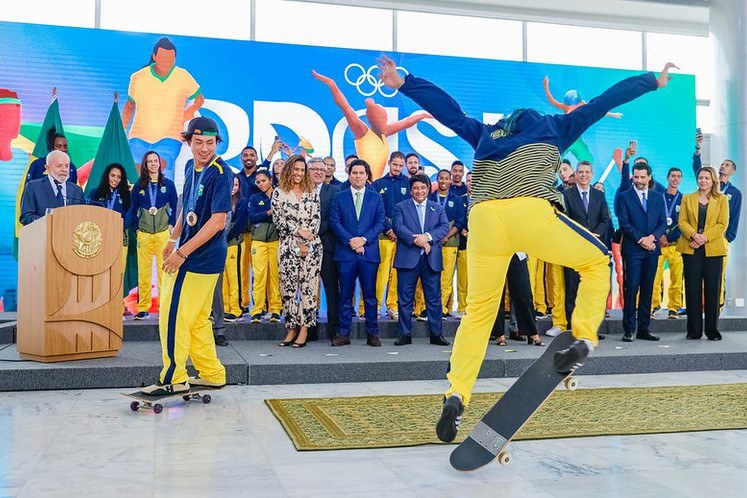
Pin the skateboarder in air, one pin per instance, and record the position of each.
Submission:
(513, 199)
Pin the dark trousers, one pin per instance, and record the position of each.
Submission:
(407, 280)
(365, 272)
(702, 274)
(219, 326)
(517, 280)
(639, 271)
(331, 282)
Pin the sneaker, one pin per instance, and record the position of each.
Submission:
(220, 340)
(672, 315)
(445, 316)
(422, 317)
(451, 414)
(198, 382)
(159, 389)
(459, 314)
(682, 312)
(654, 311)
(142, 315)
(230, 317)
(256, 318)
(538, 313)
(393, 314)
(553, 331)
(567, 360)
(275, 318)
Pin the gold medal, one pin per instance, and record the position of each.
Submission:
(191, 218)
(153, 210)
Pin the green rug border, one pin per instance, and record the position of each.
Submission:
(288, 423)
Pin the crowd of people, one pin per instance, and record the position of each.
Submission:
(292, 234)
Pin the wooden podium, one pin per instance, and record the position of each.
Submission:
(70, 285)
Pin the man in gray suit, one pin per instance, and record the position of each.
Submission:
(52, 191)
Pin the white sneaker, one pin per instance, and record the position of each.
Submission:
(393, 314)
(159, 389)
(198, 382)
(553, 331)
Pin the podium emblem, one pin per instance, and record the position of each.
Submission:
(87, 240)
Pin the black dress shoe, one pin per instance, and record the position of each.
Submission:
(402, 340)
(692, 337)
(716, 337)
(646, 336)
(373, 340)
(220, 340)
(628, 337)
(340, 340)
(439, 340)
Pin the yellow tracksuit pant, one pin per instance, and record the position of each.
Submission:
(556, 287)
(185, 328)
(537, 283)
(674, 258)
(461, 265)
(266, 291)
(246, 264)
(231, 282)
(498, 229)
(149, 245)
(449, 256)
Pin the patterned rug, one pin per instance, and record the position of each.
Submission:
(392, 421)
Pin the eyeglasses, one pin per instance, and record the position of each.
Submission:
(317, 169)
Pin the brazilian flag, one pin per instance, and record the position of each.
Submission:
(114, 148)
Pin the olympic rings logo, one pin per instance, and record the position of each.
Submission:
(366, 82)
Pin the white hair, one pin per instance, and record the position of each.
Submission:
(57, 153)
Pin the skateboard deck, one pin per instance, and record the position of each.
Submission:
(154, 402)
(496, 429)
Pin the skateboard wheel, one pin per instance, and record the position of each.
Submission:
(186, 397)
(134, 406)
(206, 399)
(571, 383)
(504, 457)
(157, 408)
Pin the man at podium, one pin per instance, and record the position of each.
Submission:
(52, 191)
(191, 269)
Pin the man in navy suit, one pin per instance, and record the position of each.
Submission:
(357, 218)
(588, 207)
(51, 191)
(643, 221)
(420, 225)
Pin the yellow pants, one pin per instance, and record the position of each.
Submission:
(185, 328)
(537, 283)
(231, 282)
(149, 245)
(246, 264)
(385, 276)
(449, 256)
(461, 265)
(500, 228)
(266, 291)
(723, 278)
(676, 267)
(556, 288)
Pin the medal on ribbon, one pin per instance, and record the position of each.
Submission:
(191, 218)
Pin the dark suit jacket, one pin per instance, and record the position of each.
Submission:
(39, 195)
(597, 219)
(636, 223)
(406, 223)
(329, 240)
(344, 223)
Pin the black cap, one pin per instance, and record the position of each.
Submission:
(202, 126)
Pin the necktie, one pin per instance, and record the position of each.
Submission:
(585, 200)
(60, 198)
(643, 200)
(358, 205)
(421, 217)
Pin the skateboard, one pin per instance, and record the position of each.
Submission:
(154, 402)
(495, 430)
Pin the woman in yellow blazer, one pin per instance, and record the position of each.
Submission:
(704, 216)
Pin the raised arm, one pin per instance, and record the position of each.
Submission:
(434, 100)
(357, 126)
(403, 124)
(550, 98)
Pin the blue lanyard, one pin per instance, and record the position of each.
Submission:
(194, 189)
(110, 204)
(674, 203)
(152, 192)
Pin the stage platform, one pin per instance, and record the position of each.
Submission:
(253, 357)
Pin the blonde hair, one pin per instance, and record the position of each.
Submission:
(286, 176)
(716, 184)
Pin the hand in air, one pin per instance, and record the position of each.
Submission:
(388, 72)
(664, 77)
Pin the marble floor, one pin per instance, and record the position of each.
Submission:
(88, 443)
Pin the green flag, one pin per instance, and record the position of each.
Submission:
(113, 148)
(51, 121)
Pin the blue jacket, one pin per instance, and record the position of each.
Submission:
(454, 207)
(140, 198)
(636, 223)
(394, 189)
(39, 195)
(346, 226)
(38, 169)
(733, 195)
(406, 224)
